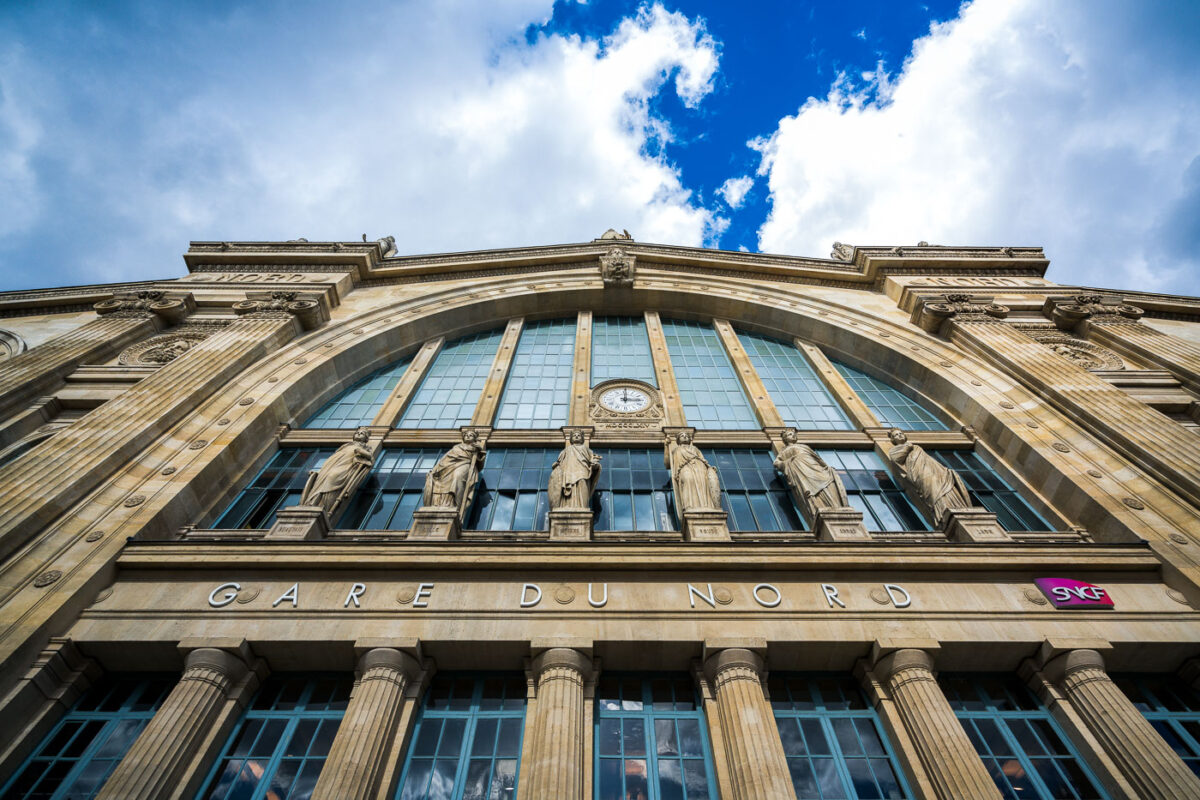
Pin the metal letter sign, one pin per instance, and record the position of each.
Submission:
(1070, 593)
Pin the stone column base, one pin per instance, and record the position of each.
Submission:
(434, 523)
(973, 525)
(840, 525)
(705, 525)
(571, 524)
(298, 523)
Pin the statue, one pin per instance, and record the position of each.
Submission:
(574, 474)
(809, 476)
(329, 486)
(617, 267)
(842, 252)
(451, 483)
(939, 487)
(693, 479)
(387, 245)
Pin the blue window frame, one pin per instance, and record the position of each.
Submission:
(621, 349)
(1020, 744)
(359, 404)
(752, 492)
(633, 492)
(450, 389)
(893, 408)
(833, 741)
(798, 394)
(81, 751)
(709, 389)
(1172, 708)
(467, 741)
(651, 742)
(280, 743)
(280, 483)
(989, 491)
(392, 491)
(512, 493)
(537, 393)
(870, 489)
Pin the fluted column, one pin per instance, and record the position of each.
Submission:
(356, 758)
(156, 762)
(950, 761)
(1140, 753)
(556, 757)
(753, 751)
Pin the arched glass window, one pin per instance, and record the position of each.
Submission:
(359, 404)
(709, 389)
(451, 388)
(621, 349)
(798, 394)
(893, 408)
(538, 391)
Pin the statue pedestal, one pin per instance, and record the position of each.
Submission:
(705, 525)
(299, 523)
(973, 525)
(840, 525)
(570, 524)
(435, 524)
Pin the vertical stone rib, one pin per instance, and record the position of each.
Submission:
(556, 760)
(1143, 757)
(672, 403)
(752, 385)
(39, 485)
(355, 761)
(1178, 356)
(155, 763)
(754, 753)
(949, 758)
(581, 370)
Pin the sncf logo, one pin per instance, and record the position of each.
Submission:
(1068, 593)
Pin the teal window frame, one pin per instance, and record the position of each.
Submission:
(892, 407)
(753, 493)
(1002, 718)
(446, 703)
(291, 707)
(636, 706)
(451, 388)
(709, 390)
(1171, 707)
(634, 486)
(84, 747)
(359, 404)
(513, 491)
(827, 719)
(621, 349)
(537, 391)
(798, 393)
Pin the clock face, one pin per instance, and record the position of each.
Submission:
(625, 399)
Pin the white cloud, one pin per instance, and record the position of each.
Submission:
(444, 124)
(1069, 125)
(734, 190)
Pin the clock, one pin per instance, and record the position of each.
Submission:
(625, 399)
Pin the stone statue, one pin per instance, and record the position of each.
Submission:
(451, 483)
(842, 252)
(693, 479)
(387, 245)
(617, 267)
(810, 477)
(329, 486)
(574, 474)
(936, 485)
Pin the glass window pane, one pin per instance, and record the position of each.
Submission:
(893, 408)
(359, 404)
(798, 394)
(537, 392)
(621, 349)
(709, 389)
(452, 385)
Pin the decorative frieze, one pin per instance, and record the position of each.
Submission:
(310, 312)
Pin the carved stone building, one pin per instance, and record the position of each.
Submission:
(320, 520)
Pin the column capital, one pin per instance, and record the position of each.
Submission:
(1057, 667)
(886, 664)
(390, 659)
(309, 310)
(561, 658)
(1068, 312)
(172, 308)
(722, 661)
(931, 313)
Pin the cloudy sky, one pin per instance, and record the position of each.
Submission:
(127, 130)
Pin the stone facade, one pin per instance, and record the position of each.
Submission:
(128, 429)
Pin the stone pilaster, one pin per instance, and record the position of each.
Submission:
(672, 403)
(860, 415)
(947, 755)
(1140, 753)
(38, 486)
(356, 758)
(489, 400)
(123, 320)
(158, 759)
(406, 387)
(752, 749)
(764, 407)
(556, 756)
(581, 370)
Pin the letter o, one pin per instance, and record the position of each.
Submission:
(228, 598)
(764, 603)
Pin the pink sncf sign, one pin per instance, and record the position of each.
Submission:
(1069, 593)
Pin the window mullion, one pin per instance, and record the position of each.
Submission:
(406, 387)
(668, 386)
(493, 388)
(846, 397)
(581, 370)
(748, 377)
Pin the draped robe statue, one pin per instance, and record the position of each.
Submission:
(939, 487)
(810, 477)
(452, 481)
(574, 474)
(332, 484)
(693, 479)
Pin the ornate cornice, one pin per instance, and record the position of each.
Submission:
(147, 303)
(932, 312)
(1068, 313)
(309, 311)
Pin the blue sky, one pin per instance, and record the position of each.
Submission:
(127, 130)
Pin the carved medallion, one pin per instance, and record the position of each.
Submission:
(564, 595)
(47, 578)
(626, 404)
(617, 267)
(94, 536)
(1035, 597)
(159, 350)
(1082, 352)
